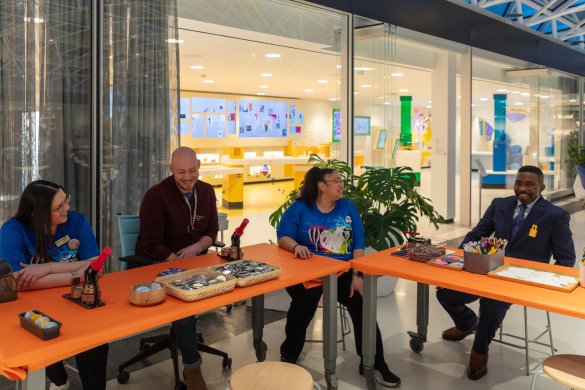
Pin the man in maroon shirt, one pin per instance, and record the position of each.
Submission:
(178, 219)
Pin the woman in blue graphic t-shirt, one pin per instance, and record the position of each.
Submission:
(49, 246)
(321, 221)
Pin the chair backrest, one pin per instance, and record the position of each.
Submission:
(129, 227)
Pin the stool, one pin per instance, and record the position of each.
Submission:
(272, 375)
(345, 329)
(547, 330)
(568, 370)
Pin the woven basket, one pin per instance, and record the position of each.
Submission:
(200, 293)
(250, 280)
(424, 253)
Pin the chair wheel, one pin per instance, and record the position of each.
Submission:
(181, 386)
(226, 363)
(416, 345)
(123, 377)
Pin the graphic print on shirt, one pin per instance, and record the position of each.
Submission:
(66, 253)
(336, 240)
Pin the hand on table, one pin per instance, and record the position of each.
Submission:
(29, 274)
(302, 252)
(190, 251)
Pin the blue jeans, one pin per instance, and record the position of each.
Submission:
(185, 331)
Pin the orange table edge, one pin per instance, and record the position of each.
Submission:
(21, 352)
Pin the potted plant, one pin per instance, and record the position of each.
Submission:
(386, 199)
(576, 160)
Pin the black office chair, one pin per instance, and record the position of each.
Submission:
(129, 227)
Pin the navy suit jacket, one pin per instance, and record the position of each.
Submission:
(553, 235)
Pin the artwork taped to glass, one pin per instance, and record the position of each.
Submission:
(185, 108)
(292, 112)
(215, 126)
(185, 128)
(485, 128)
(262, 118)
(381, 144)
(197, 121)
(200, 104)
(300, 117)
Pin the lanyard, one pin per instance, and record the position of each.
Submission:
(192, 212)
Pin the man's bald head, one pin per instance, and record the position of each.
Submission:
(185, 168)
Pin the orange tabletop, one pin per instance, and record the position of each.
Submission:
(571, 304)
(83, 329)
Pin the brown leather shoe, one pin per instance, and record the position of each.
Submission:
(454, 334)
(194, 379)
(477, 367)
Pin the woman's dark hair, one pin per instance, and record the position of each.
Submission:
(309, 190)
(34, 211)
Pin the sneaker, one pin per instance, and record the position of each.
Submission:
(53, 386)
(389, 379)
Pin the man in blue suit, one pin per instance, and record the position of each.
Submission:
(535, 230)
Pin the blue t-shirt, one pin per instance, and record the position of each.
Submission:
(334, 234)
(73, 241)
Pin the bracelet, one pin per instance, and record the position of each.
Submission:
(293, 249)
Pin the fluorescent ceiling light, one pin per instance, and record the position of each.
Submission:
(363, 68)
(573, 100)
(502, 90)
(175, 41)
(430, 102)
(356, 93)
(387, 103)
(266, 74)
(197, 67)
(272, 55)
(403, 90)
(525, 94)
(429, 106)
(260, 93)
(366, 85)
(483, 99)
(309, 90)
(519, 104)
(398, 74)
(263, 86)
(544, 96)
(333, 99)
(338, 66)
(322, 81)
(208, 81)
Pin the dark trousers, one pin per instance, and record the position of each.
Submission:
(91, 366)
(302, 309)
(185, 331)
(491, 315)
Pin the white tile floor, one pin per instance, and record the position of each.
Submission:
(440, 366)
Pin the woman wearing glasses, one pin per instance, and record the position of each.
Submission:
(321, 221)
(47, 245)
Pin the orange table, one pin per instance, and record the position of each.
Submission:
(383, 263)
(22, 353)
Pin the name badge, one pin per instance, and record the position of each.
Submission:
(62, 241)
(533, 231)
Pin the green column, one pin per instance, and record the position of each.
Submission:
(405, 120)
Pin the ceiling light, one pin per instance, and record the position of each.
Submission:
(263, 86)
(322, 81)
(473, 105)
(175, 40)
(356, 93)
(483, 99)
(403, 90)
(309, 90)
(430, 102)
(363, 68)
(519, 104)
(502, 90)
(272, 55)
(387, 103)
(573, 100)
(525, 94)
(260, 93)
(459, 97)
(429, 106)
(338, 66)
(515, 92)
(266, 74)
(208, 81)
(197, 67)
(333, 99)
(544, 96)
(397, 74)
(366, 85)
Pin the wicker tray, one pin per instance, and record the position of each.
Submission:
(200, 293)
(250, 280)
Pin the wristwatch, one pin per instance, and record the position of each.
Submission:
(75, 279)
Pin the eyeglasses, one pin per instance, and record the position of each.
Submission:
(62, 208)
(339, 181)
